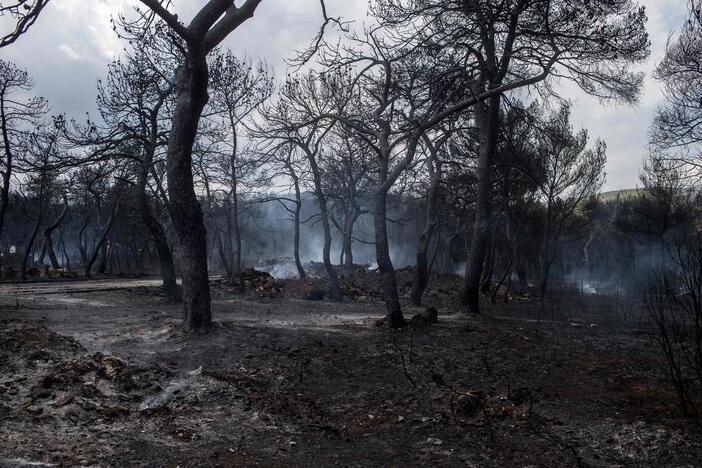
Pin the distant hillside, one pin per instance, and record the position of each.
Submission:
(614, 194)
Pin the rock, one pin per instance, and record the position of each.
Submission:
(72, 412)
(427, 316)
(89, 405)
(34, 410)
(40, 393)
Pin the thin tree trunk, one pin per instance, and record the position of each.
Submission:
(66, 258)
(236, 229)
(221, 251)
(394, 318)
(486, 119)
(229, 238)
(8, 164)
(296, 215)
(421, 272)
(29, 248)
(100, 242)
(335, 287)
(165, 256)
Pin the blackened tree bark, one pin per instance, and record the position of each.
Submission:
(386, 179)
(421, 275)
(235, 255)
(163, 250)
(296, 221)
(29, 247)
(487, 121)
(101, 242)
(23, 15)
(209, 27)
(334, 285)
(48, 246)
(15, 115)
(185, 210)
(394, 317)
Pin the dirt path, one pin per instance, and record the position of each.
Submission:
(298, 383)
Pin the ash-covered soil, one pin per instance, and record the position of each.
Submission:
(107, 378)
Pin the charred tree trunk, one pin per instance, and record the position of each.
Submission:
(394, 317)
(296, 226)
(489, 266)
(100, 243)
(165, 256)
(486, 119)
(185, 210)
(229, 238)
(29, 248)
(48, 246)
(221, 250)
(66, 258)
(334, 286)
(82, 241)
(547, 258)
(105, 250)
(421, 275)
(234, 213)
(8, 164)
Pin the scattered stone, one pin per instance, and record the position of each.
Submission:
(34, 410)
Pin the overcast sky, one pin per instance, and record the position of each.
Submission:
(71, 43)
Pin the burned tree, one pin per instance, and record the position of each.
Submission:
(499, 47)
(434, 166)
(238, 88)
(23, 14)
(298, 119)
(568, 174)
(676, 128)
(18, 118)
(207, 29)
(133, 101)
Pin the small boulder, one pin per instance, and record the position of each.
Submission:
(428, 316)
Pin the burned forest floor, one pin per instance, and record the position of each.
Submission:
(93, 375)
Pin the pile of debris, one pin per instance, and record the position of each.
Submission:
(27, 345)
(96, 386)
(362, 286)
(261, 283)
(47, 376)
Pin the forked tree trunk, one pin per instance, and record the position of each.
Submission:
(334, 286)
(185, 209)
(486, 119)
(165, 256)
(221, 250)
(48, 247)
(421, 275)
(100, 243)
